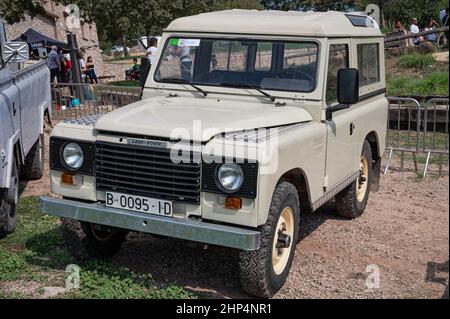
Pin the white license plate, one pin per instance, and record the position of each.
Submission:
(139, 204)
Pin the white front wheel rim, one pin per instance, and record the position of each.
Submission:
(285, 225)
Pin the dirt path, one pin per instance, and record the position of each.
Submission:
(404, 233)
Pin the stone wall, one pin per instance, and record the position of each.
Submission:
(116, 69)
(54, 24)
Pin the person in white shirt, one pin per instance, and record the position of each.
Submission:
(415, 29)
(152, 49)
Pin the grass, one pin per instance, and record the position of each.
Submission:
(435, 83)
(36, 253)
(126, 83)
(416, 61)
(416, 74)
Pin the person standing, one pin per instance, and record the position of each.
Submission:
(152, 49)
(90, 71)
(415, 29)
(53, 63)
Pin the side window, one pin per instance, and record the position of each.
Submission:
(263, 61)
(337, 59)
(229, 56)
(368, 63)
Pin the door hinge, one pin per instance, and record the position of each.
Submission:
(325, 181)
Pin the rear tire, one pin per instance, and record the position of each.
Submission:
(8, 205)
(87, 240)
(264, 271)
(33, 168)
(352, 201)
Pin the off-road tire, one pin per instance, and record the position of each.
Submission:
(82, 243)
(257, 274)
(346, 202)
(33, 167)
(8, 208)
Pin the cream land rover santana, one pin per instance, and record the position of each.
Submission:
(248, 119)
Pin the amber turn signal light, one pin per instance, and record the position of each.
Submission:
(67, 178)
(233, 203)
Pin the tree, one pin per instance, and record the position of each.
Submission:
(14, 10)
(405, 10)
(318, 5)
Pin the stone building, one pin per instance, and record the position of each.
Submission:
(56, 22)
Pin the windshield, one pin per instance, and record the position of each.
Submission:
(270, 65)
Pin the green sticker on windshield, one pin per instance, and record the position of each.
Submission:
(173, 42)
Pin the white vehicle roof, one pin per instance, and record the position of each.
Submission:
(269, 22)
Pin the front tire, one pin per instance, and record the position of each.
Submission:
(87, 240)
(264, 271)
(33, 168)
(8, 205)
(352, 201)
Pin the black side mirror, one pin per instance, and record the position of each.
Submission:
(348, 86)
(347, 91)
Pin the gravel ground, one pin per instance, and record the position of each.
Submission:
(404, 233)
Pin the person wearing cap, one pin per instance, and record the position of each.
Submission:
(415, 29)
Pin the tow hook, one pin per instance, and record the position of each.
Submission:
(284, 241)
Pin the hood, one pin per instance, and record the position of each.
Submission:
(197, 119)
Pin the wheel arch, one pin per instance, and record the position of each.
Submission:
(299, 179)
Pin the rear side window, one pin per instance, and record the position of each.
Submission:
(337, 59)
(368, 63)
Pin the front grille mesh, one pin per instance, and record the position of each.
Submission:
(147, 172)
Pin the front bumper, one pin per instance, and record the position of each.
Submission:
(208, 233)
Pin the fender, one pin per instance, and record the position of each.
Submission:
(15, 138)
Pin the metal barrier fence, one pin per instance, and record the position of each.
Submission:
(417, 128)
(72, 101)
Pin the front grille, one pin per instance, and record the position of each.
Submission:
(147, 172)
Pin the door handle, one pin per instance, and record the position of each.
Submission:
(14, 109)
(352, 128)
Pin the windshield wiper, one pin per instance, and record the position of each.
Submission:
(183, 81)
(249, 86)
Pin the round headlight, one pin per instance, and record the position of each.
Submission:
(73, 155)
(230, 177)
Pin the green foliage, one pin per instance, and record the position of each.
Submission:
(14, 10)
(416, 61)
(133, 83)
(12, 265)
(435, 83)
(319, 5)
(99, 279)
(405, 10)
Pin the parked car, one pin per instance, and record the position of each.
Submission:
(118, 49)
(24, 98)
(249, 119)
